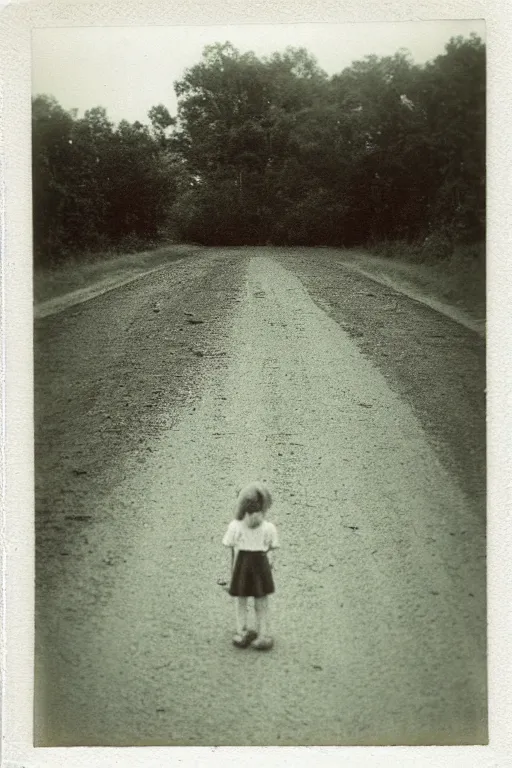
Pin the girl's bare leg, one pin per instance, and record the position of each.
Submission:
(261, 610)
(241, 614)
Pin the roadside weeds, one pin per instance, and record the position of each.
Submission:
(88, 273)
(446, 287)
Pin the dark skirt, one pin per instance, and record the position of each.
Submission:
(252, 576)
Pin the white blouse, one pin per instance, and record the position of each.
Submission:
(260, 539)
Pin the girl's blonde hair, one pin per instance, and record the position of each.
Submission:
(255, 497)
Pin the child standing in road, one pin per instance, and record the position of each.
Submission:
(251, 537)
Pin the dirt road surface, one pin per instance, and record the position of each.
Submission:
(362, 409)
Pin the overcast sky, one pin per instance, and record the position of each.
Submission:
(128, 70)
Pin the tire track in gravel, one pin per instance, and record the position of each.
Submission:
(108, 372)
(435, 364)
(108, 376)
(379, 616)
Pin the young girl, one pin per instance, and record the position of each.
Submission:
(250, 538)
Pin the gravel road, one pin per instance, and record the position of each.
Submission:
(363, 411)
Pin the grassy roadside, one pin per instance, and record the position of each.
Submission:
(102, 267)
(458, 279)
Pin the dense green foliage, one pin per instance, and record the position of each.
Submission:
(274, 150)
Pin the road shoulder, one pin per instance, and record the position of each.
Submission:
(435, 364)
(76, 282)
(413, 288)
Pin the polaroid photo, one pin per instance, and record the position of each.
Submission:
(251, 324)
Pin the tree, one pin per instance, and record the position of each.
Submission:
(453, 95)
(273, 150)
(95, 184)
(236, 116)
(161, 121)
(51, 150)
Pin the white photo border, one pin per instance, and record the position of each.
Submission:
(17, 539)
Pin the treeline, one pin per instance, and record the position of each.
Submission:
(273, 150)
(95, 184)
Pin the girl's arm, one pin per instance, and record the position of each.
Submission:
(225, 582)
(273, 545)
(272, 557)
(229, 543)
